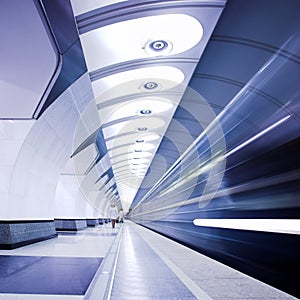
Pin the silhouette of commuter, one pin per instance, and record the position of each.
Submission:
(113, 214)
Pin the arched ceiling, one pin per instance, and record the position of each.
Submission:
(140, 56)
(164, 74)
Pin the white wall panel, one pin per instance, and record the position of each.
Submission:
(12, 135)
(89, 122)
(43, 155)
(84, 159)
(69, 201)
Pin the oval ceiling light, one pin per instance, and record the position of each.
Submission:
(152, 105)
(140, 38)
(139, 155)
(144, 107)
(148, 137)
(139, 160)
(142, 129)
(142, 146)
(145, 80)
(143, 125)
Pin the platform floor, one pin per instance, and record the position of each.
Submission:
(128, 262)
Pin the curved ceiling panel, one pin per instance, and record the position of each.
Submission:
(143, 107)
(80, 7)
(161, 35)
(149, 79)
(140, 61)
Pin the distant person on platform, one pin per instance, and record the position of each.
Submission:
(121, 215)
(113, 214)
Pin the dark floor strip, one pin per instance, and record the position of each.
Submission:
(46, 275)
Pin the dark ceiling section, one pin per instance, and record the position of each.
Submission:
(254, 51)
(247, 36)
(60, 18)
(100, 143)
(101, 148)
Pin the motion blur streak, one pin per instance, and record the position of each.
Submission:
(270, 225)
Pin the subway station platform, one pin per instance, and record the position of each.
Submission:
(127, 262)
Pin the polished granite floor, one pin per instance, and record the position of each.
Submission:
(50, 275)
(129, 262)
(59, 268)
(151, 266)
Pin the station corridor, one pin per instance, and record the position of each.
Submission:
(180, 117)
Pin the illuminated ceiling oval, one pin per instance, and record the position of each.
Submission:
(138, 155)
(149, 137)
(147, 106)
(142, 146)
(145, 80)
(160, 35)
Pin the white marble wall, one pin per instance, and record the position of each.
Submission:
(70, 200)
(12, 135)
(34, 154)
(77, 195)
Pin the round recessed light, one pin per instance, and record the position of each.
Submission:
(145, 112)
(158, 47)
(151, 85)
(142, 129)
(142, 106)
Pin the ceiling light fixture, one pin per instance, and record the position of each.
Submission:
(145, 112)
(161, 47)
(151, 85)
(142, 129)
(151, 32)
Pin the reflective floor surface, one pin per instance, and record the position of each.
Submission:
(59, 268)
(128, 262)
